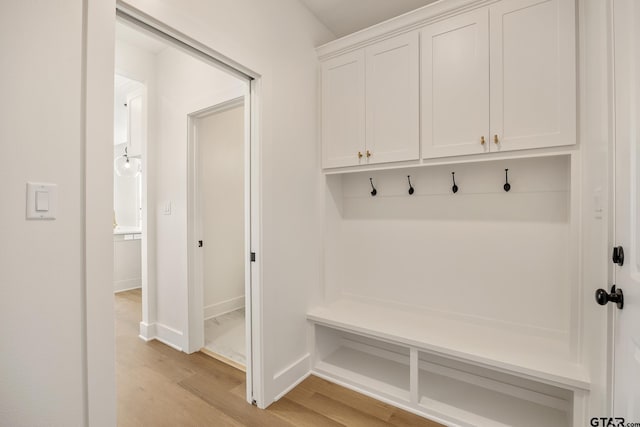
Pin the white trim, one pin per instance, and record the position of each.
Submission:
(288, 378)
(181, 41)
(164, 334)
(219, 108)
(96, 320)
(147, 331)
(195, 263)
(169, 336)
(401, 24)
(253, 270)
(610, 365)
(292, 386)
(195, 316)
(457, 160)
(137, 284)
(224, 307)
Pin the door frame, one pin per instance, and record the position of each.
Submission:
(195, 222)
(253, 215)
(618, 29)
(611, 318)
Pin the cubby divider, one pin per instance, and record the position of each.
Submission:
(442, 384)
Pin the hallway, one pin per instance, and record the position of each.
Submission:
(159, 386)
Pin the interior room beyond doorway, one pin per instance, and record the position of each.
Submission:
(179, 85)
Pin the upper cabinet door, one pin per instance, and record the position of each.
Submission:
(392, 100)
(533, 74)
(343, 114)
(455, 86)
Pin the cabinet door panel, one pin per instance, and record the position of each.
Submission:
(343, 114)
(455, 86)
(533, 74)
(392, 123)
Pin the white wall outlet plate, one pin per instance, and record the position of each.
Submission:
(42, 200)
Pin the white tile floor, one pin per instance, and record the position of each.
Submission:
(224, 335)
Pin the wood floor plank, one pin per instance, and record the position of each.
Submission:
(335, 409)
(148, 399)
(299, 415)
(401, 418)
(159, 386)
(366, 404)
(208, 389)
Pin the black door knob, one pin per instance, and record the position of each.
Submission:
(616, 296)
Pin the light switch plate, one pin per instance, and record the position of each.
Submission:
(42, 200)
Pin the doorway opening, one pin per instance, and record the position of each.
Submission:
(129, 137)
(199, 211)
(216, 147)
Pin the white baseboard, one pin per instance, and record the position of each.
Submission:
(166, 335)
(215, 310)
(288, 378)
(127, 285)
(147, 331)
(117, 291)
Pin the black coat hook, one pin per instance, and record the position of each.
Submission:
(455, 187)
(411, 189)
(373, 189)
(506, 186)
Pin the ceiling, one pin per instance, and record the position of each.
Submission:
(344, 17)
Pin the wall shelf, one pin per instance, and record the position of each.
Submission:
(456, 372)
(543, 359)
(456, 160)
(478, 406)
(371, 371)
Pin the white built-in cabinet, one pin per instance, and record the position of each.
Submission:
(343, 110)
(455, 85)
(370, 104)
(532, 73)
(437, 300)
(498, 78)
(392, 100)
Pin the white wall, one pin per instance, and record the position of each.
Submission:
(482, 254)
(135, 63)
(119, 115)
(126, 195)
(277, 40)
(127, 273)
(220, 139)
(43, 357)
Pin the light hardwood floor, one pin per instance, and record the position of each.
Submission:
(159, 386)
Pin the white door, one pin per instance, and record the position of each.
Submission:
(343, 116)
(392, 100)
(455, 86)
(533, 74)
(626, 398)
